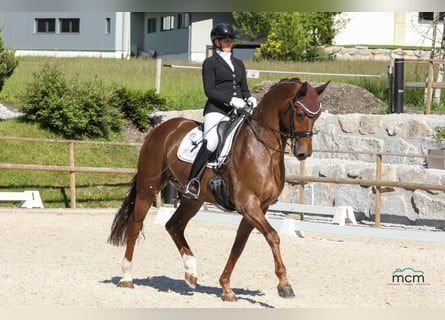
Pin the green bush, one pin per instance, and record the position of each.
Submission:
(76, 109)
(439, 136)
(7, 62)
(137, 105)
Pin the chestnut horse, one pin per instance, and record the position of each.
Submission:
(253, 174)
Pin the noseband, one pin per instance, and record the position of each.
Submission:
(295, 135)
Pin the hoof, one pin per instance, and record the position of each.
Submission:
(229, 297)
(286, 292)
(126, 284)
(191, 280)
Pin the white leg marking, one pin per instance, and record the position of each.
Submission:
(126, 269)
(190, 264)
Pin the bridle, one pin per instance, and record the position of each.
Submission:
(295, 135)
(292, 135)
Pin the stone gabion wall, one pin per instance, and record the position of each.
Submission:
(364, 53)
(394, 133)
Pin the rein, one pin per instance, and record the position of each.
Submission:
(292, 135)
(248, 121)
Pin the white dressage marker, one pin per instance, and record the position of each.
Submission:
(29, 199)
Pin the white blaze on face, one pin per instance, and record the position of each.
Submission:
(126, 269)
(190, 264)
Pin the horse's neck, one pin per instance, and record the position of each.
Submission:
(267, 126)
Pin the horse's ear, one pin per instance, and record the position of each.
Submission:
(321, 88)
(303, 89)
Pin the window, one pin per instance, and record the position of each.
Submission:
(151, 25)
(429, 16)
(183, 20)
(107, 25)
(168, 23)
(45, 25)
(69, 25)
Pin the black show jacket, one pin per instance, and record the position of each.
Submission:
(221, 83)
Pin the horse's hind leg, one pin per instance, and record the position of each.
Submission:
(142, 205)
(175, 227)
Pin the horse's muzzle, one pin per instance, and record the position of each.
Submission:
(302, 156)
(302, 150)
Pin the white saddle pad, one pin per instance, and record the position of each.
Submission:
(191, 144)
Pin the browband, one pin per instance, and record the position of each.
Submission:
(306, 109)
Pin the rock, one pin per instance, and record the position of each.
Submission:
(430, 209)
(370, 124)
(8, 113)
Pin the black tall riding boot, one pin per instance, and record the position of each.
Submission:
(193, 187)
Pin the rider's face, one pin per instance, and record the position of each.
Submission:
(226, 45)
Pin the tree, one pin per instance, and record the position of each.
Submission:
(290, 35)
(7, 62)
(253, 25)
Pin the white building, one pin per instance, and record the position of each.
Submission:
(388, 28)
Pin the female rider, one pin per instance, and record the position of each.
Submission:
(225, 85)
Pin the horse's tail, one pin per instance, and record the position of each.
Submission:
(118, 236)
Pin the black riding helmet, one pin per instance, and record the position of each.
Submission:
(223, 31)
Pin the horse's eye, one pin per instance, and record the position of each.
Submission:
(300, 115)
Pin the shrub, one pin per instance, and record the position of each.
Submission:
(137, 105)
(76, 109)
(7, 62)
(439, 136)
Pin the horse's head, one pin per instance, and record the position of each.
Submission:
(304, 109)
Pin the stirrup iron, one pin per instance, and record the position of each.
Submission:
(190, 191)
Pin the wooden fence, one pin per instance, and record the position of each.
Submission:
(378, 183)
(429, 84)
(71, 168)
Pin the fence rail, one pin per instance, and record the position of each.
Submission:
(378, 182)
(429, 84)
(71, 168)
(292, 72)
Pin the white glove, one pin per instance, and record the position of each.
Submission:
(252, 102)
(237, 103)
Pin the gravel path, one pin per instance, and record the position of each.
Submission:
(55, 259)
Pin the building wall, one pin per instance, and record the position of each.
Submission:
(418, 32)
(137, 32)
(172, 43)
(19, 33)
(185, 44)
(385, 28)
(366, 28)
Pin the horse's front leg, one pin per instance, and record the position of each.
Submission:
(273, 239)
(242, 235)
(259, 221)
(176, 227)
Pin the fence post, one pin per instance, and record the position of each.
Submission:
(378, 191)
(158, 75)
(390, 89)
(72, 176)
(429, 87)
(398, 85)
(301, 190)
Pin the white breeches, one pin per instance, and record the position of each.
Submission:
(211, 121)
